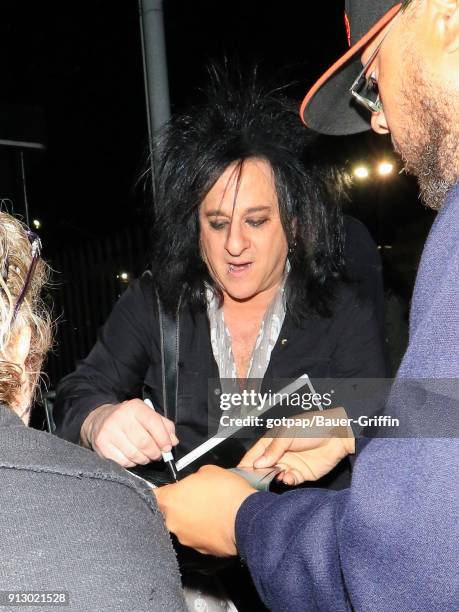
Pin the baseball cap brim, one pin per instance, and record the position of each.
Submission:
(328, 107)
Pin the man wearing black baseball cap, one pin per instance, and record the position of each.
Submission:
(400, 74)
(328, 107)
(390, 541)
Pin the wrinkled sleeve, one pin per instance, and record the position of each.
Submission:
(289, 544)
(375, 546)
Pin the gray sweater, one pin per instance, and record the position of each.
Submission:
(70, 521)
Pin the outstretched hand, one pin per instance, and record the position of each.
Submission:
(201, 509)
(303, 458)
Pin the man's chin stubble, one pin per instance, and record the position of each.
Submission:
(429, 141)
(423, 163)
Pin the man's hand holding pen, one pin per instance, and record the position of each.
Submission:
(130, 433)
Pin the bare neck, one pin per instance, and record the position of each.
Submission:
(254, 307)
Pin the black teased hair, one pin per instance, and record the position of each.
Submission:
(240, 119)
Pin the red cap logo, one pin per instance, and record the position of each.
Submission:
(348, 28)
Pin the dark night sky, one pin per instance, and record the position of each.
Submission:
(81, 64)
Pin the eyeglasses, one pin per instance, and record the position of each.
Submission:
(365, 90)
(35, 245)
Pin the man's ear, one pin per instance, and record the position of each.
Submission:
(446, 16)
(379, 123)
(20, 346)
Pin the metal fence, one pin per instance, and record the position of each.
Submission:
(85, 285)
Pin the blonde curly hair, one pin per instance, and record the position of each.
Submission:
(15, 263)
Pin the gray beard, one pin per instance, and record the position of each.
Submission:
(426, 166)
(429, 143)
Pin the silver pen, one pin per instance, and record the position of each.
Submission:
(168, 457)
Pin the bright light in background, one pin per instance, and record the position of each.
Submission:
(124, 276)
(361, 172)
(385, 168)
(36, 224)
